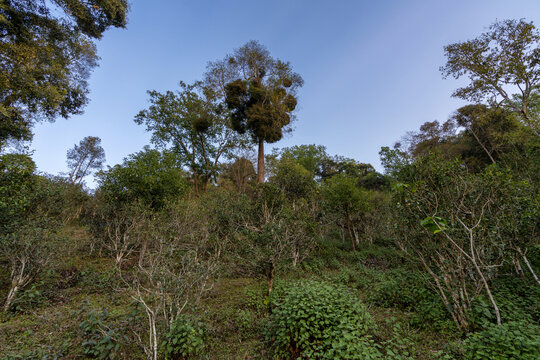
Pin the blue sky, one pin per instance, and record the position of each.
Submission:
(371, 68)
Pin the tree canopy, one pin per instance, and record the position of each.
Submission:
(149, 176)
(84, 158)
(504, 59)
(260, 92)
(195, 127)
(46, 56)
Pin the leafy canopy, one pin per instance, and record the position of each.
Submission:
(502, 60)
(47, 54)
(196, 128)
(84, 158)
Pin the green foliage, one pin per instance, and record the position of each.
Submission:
(337, 164)
(101, 341)
(318, 321)
(445, 211)
(293, 179)
(346, 204)
(496, 62)
(30, 299)
(393, 160)
(518, 300)
(66, 201)
(375, 181)
(311, 157)
(184, 339)
(410, 291)
(35, 355)
(400, 346)
(237, 175)
(150, 176)
(194, 126)
(255, 301)
(16, 186)
(511, 340)
(47, 56)
(342, 196)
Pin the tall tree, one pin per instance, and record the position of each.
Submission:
(197, 128)
(84, 158)
(501, 60)
(46, 56)
(260, 92)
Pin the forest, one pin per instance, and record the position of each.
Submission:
(205, 244)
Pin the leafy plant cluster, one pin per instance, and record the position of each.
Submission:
(319, 321)
(186, 338)
(101, 340)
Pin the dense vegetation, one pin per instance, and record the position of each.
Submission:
(188, 251)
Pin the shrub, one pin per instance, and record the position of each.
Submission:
(184, 339)
(400, 346)
(511, 340)
(319, 321)
(248, 323)
(100, 340)
(28, 300)
(409, 290)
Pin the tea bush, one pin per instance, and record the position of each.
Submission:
(184, 339)
(408, 290)
(511, 340)
(319, 321)
(28, 300)
(101, 341)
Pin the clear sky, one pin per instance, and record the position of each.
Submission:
(371, 68)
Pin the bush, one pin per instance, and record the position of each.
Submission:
(184, 339)
(100, 340)
(318, 321)
(28, 300)
(511, 340)
(409, 291)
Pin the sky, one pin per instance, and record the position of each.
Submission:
(370, 68)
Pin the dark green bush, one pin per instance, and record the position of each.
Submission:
(518, 300)
(410, 291)
(400, 345)
(319, 321)
(101, 341)
(28, 300)
(184, 339)
(511, 340)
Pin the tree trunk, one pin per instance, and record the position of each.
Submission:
(295, 256)
(270, 278)
(483, 146)
(482, 277)
(350, 233)
(260, 162)
(195, 183)
(528, 265)
(10, 297)
(155, 344)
